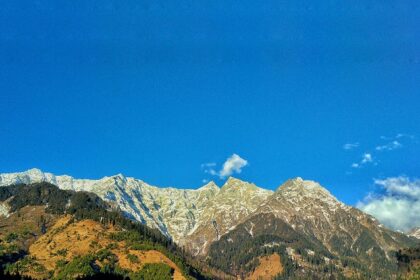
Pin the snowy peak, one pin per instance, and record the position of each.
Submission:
(415, 232)
(34, 172)
(30, 176)
(234, 184)
(118, 179)
(304, 188)
(210, 186)
(299, 184)
(35, 175)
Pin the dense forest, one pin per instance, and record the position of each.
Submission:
(409, 263)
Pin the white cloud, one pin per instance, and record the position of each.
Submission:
(403, 135)
(211, 171)
(233, 164)
(390, 146)
(208, 164)
(366, 158)
(398, 136)
(208, 168)
(395, 142)
(400, 186)
(397, 205)
(350, 146)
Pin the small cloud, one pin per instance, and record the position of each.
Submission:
(390, 146)
(350, 146)
(210, 171)
(205, 181)
(396, 204)
(398, 141)
(403, 135)
(233, 164)
(208, 164)
(208, 168)
(366, 158)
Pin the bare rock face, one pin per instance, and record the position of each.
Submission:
(415, 232)
(235, 201)
(311, 209)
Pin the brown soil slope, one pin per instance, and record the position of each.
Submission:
(269, 267)
(67, 239)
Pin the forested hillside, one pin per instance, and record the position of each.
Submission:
(61, 234)
(409, 263)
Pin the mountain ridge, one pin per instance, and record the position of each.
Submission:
(142, 201)
(301, 221)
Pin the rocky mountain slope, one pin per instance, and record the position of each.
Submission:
(415, 232)
(311, 209)
(309, 227)
(235, 201)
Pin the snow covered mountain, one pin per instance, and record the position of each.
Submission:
(233, 226)
(173, 211)
(197, 218)
(192, 218)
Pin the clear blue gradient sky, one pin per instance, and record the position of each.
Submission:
(153, 89)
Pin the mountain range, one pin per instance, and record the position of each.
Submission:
(239, 229)
(182, 215)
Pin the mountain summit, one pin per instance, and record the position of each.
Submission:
(298, 185)
(298, 190)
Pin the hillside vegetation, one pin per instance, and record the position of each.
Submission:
(53, 233)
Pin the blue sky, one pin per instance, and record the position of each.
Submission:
(155, 90)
